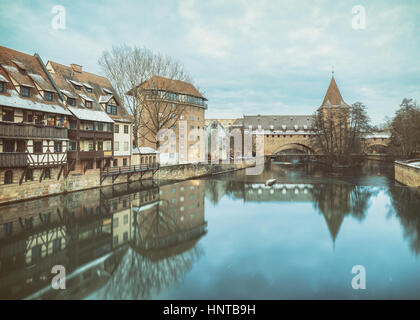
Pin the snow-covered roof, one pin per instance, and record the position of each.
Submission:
(104, 99)
(91, 115)
(87, 85)
(76, 83)
(44, 84)
(68, 94)
(15, 73)
(3, 79)
(15, 100)
(144, 150)
(19, 64)
(377, 135)
(85, 97)
(107, 91)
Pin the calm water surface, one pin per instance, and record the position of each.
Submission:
(226, 237)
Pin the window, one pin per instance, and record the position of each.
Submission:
(111, 109)
(116, 128)
(25, 92)
(37, 146)
(73, 146)
(1, 86)
(116, 146)
(57, 146)
(29, 175)
(71, 101)
(115, 164)
(191, 127)
(8, 177)
(47, 173)
(88, 89)
(124, 162)
(48, 96)
(99, 126)
(88, 104)
(90, 146)
(77, 87)
(125, 129)
(108, 127)
(191, 118)
(126, 146)
(8, 115)
(8, 146)
(115, 222)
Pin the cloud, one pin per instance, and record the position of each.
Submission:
(267, 57)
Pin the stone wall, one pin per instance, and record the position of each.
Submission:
(91, 179)
(407, 173)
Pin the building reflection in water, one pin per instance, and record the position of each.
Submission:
(115, 242)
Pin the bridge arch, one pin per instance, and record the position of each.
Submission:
(376, 148)
(294, 148)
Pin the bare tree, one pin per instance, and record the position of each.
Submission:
(138, 75)
(339, 131)
(405, 129)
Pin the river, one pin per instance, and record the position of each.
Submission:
(224, 237)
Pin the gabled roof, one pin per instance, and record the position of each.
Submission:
(178, 86)
(65, 77)
(333, 96)
(10, 63)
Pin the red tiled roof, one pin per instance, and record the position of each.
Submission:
(10, 63)
(64, 75)
(177, 86)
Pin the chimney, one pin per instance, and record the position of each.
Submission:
(76, 68)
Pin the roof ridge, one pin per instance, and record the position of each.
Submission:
(83, 71)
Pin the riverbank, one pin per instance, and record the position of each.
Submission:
(408, 172)
(92, 179)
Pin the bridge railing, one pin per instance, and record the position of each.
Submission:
(129, 169)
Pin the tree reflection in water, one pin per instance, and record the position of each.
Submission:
(406, 206)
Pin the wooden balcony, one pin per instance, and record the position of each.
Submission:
(29, 131)
(13, 159)
(87, 134)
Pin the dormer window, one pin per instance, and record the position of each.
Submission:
(77, 87)
(25, 91)
(48, 96)
(88, 104)
(88, 87)
(110, 109)
(71, 101)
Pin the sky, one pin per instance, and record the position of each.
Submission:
(247, 57)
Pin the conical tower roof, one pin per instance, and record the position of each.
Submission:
(333, 96)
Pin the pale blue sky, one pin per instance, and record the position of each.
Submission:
(267, 57)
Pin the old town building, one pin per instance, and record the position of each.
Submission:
(100, 130)
(161, 97)
(33, 123)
